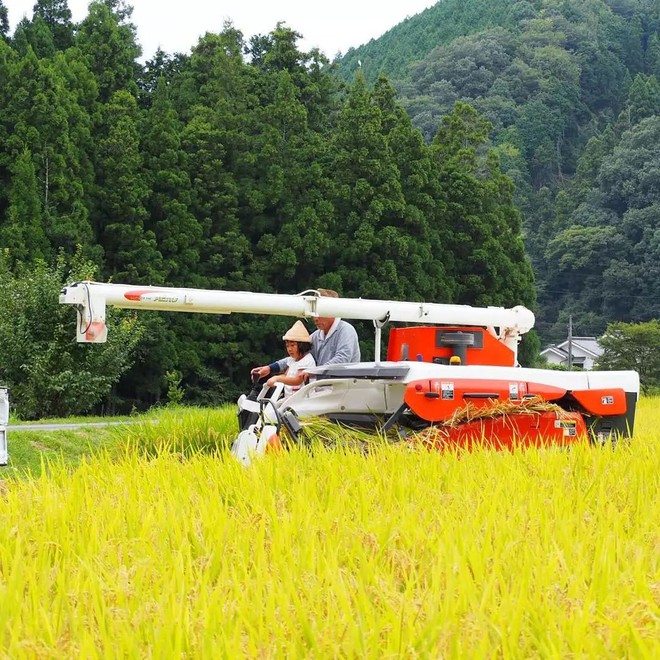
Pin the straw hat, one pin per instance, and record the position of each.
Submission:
(297, 332)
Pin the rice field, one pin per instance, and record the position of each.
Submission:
(166, 549)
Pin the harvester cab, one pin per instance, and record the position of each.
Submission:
(452, 370)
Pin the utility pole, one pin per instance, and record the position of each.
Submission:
(570, 342)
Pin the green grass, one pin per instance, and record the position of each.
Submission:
(13, 421)
(187, 430)
(30, 451)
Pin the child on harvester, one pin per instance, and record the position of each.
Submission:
(298, 345)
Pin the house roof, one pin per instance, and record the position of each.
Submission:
(589, 346)
(557, 351)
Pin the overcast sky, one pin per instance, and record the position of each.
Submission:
(176, 25)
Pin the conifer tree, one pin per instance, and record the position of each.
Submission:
(36, 35)
(22, 233)
(7, 55)
(110, 45)
(425, 261)
(41, 114)
(131, 253)
(57, 16)
(288, 179)
(490, 266)
(4, 20)
(178, 233)
(218, 156)
(368, 200)
(643, 98)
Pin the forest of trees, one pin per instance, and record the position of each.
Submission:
(244, 165)
(572, 89)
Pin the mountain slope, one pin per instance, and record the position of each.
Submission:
(561, 81)
(416, 36)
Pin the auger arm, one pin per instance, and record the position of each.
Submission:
(91, 298)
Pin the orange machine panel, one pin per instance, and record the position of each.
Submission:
(436, 399)
(602, 402)
(440, 343)
(509, 432)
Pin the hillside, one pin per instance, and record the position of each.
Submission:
(571, 90)
(412, 39)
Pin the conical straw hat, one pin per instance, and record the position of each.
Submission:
(297, 332)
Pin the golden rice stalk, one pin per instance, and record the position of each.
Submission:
(531, 406)
(334, 435)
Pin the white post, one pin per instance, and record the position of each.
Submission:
(377, 347)
(570, 342)
(4, 420)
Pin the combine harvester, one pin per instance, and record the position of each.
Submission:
(453, 373)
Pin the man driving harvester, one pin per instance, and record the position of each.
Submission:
(333, 342)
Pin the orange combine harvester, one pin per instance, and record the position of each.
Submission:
(451, 375)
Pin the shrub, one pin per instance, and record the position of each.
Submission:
(48, 372)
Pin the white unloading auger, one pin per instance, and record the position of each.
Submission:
(90, 300)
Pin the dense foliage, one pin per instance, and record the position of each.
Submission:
(49, 375)
(244, 166)
(572, 88)
(634, 346)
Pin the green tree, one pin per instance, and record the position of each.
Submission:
(161, 66)
(7, 55)
(131, 253)
(630, 177)
(643, 98)
(110, 46)
(22, 236)
(226, 251)
(71, 225)
(44, 116)
(35, 35)
(490, 265)
(653, 55)
(633, 346)
(57, 16)
(368, 202)
(421, 241)
(178, 233)
(215, 75)
(4, 20)
(286, 223)
(578, 256)
(171, 344)
(49, 374)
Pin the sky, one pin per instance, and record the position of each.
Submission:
(176, 25)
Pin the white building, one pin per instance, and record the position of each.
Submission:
(585, 350)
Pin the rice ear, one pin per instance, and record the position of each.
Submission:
(336, 435)
(532, 406)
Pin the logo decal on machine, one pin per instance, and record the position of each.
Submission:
(569, 426)
(149, 295)
(447, 391)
